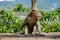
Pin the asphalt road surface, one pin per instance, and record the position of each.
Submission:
(28, 38)
(50, 36)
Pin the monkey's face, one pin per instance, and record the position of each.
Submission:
(36, 13)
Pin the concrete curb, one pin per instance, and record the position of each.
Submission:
(51, 35)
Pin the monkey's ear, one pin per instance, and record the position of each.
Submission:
(30, 14)
(33, 10)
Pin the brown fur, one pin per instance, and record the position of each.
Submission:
(31, 20)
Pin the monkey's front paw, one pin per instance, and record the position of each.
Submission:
(38, 33)
(17, 33)
(26, 34)
(33, 33)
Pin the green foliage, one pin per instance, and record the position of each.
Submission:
(50, 21)
(21, 8)
(8, 22)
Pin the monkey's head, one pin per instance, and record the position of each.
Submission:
(36, 13)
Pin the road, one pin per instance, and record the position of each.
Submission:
(50, 36)
(28, 38)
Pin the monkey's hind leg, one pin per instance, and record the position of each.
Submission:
(26, 30)
(20, 30)
(34, 30)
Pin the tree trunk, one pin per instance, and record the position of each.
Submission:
(33, 5)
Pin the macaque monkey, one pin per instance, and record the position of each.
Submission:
(31, 23)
